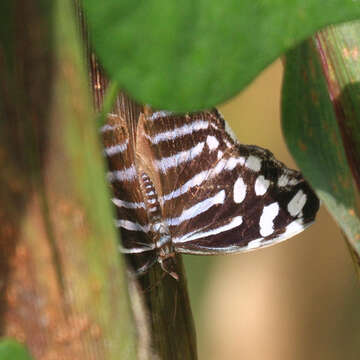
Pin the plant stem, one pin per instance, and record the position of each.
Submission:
(160, 303)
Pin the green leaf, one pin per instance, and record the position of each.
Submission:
(193, 54)
(12, 350)
(312, 134)
(340, 46)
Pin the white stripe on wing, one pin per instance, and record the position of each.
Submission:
(127, 174)
(179, 132)
(183, 156)
(197, 209)
(199, 234)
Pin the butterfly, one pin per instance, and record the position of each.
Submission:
(184, 184)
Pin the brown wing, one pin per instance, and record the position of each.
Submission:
(119, 149)
(219, 196)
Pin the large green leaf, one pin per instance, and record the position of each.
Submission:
(12, 350)
(314, 139)
(192, 54)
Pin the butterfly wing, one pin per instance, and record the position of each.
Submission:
(131, 216)
(219, 196)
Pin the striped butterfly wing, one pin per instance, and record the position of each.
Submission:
(119, 150)
(219, 196)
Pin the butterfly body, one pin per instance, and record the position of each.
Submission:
(159, 232)
(183, 184)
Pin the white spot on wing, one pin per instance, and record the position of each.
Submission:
(227, 143)
(197, 209)
(283, 180)
(291, 230)
(212, 142)
(293, 182)
(267, 219)
(297, 203)
(239, 190)
(294, 228)
(253, 163)
(254, 244)
(232, 162)
(261, 185)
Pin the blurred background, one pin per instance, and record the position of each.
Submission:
(297, 300)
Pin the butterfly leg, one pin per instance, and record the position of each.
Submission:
(145, 268)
